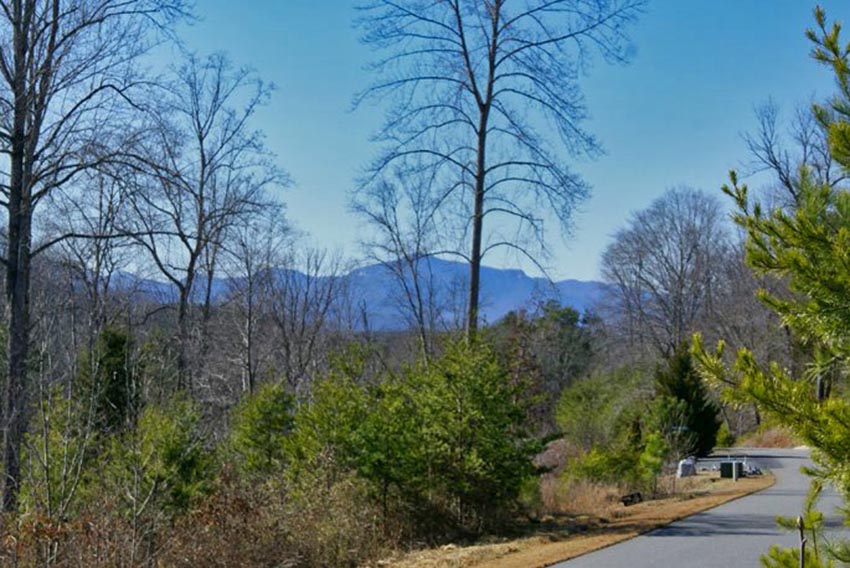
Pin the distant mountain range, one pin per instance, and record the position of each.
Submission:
(377, 292)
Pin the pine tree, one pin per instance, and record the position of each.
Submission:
(809, 246)
(106, 375)
(678, 379)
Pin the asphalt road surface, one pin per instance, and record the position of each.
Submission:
(732, 535)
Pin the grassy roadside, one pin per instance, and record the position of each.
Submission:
(562, 538)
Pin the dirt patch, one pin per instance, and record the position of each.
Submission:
(555, 539)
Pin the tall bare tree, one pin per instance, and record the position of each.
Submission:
(259, 249)
(665, 265)
(403, 217)
(93, 209)
(206, 170)
(68, 68)
(484, 104)
(304, 295)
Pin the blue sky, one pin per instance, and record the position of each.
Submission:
(674, 116)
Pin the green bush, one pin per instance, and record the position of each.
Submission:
(475, 444)
(725, 438)
(328, 425)
(260, 426)
(448, 438)
(57, 457)
(615, 466)
(162, 462)
(651, 460)
(601, 410)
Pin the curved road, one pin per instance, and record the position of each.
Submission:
(734, 534)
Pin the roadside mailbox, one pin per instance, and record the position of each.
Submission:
(731, 469)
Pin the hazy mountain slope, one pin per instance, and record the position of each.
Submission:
(375, 290)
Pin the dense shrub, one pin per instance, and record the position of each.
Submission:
(163, 463)
(260, 425)
(725, 438)
(626, 431)
(609, 466)
(603, 409)
(448, 438)
(427, 453)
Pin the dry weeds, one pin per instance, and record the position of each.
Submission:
(577, 531)
(774, 437)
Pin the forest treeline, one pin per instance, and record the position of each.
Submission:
(265, 424)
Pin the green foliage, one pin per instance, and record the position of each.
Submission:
(473, 430)
(603, 408)
(550, 349)
(562, 344)
(390, 450)
(652, 459)
(605, 415)
(57, 456)
(608, 465)
(790, 558)
(725, 438)
(678, 379)
(627, 434)
(808, 245)
(260, 426)
(812, 522)
(162, 463)
(106, 375)
(329, 425)
(667, 417)
(449, 435)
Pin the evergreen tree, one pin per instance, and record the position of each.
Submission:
(678, 379)
(449, 437)
(261, 424)
(808, 245)
(107, 376)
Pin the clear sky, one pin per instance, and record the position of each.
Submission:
(674, 116)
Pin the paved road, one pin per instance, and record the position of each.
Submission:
(732, 535)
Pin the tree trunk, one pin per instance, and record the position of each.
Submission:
(484, 105)
(15, 404)
(477, 227)
(184, 383)
(249, 338)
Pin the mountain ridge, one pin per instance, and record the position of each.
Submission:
(376, 291)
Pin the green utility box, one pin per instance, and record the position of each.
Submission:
(727, 471)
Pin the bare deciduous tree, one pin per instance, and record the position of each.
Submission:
(68, 68)
(304, 294)
(782, 150)
(481, 91)
(93, 208)
(259, 249)
(403, 216)
(207, 171)
(664, 266)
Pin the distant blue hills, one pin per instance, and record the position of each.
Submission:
(376, 291)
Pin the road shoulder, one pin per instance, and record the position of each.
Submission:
(553, 543)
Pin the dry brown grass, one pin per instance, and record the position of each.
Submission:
(577, 497)
(773, 437)
(566, 536)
